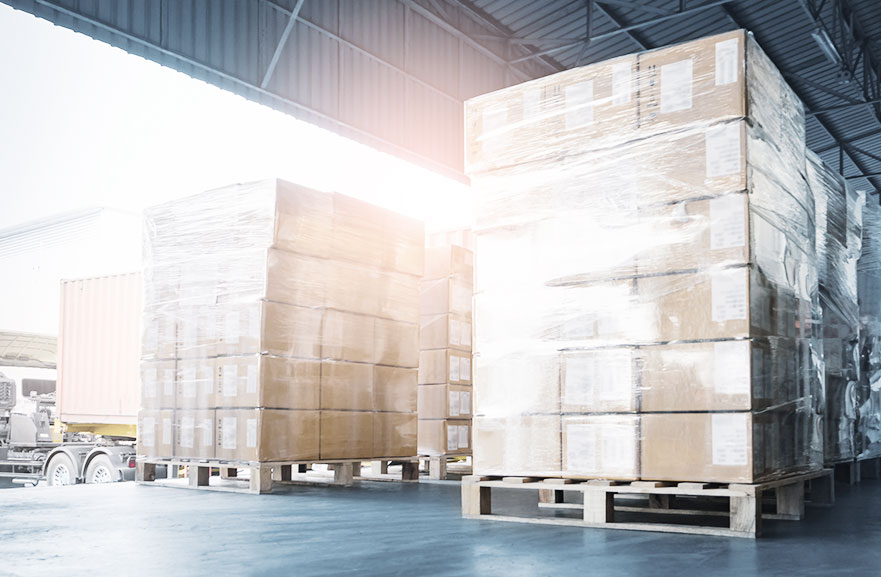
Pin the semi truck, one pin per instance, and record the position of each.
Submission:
(74, 420)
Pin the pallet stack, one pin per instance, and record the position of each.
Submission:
(445, 397)
(839, 210)
(281, 325)
(867, 396)
(646, 287)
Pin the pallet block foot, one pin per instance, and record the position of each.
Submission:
(476, 500)
(437, 468)
(550, 496)
(791, 501)
(410, 471)
(343, 474)
(599, 506)
(261, 480)
(199, 476)
(745, 514)
(145, 472)
(229, 473)
(379, 467)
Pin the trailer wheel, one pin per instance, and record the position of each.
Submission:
(60, 471)
(100, 470)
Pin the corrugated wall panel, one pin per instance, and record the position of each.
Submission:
(376, 26)
(381, 95)
(308, 72)
(432, 54)
(99, 350)
(429, 118)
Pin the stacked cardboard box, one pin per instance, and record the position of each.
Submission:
(646, 289)
(867, 394)
(445, 398)
(281, 324)
(839, 231)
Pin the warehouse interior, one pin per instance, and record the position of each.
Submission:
(254, 298)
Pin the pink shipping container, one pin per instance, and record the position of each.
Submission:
(99, 352)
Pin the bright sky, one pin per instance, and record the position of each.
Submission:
(85, 124)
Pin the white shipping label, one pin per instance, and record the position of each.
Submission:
(189, 382)
(531, 108)
(579, 379)
(726, 61)
(254, 322)
(187, 432)
(463, 436)
(147, 434)
(189, 333)
(619, 449)
(731, 368)
(727, 222)
(729, 295)
(730, 439)
(614, 377)
(454, 403)
(466, 334)
(151, 337)
(676, 81)
(455, 331)
(149, 378)
(581, 448)
(208, 323)
(251, 433)
(622, 81)
(206, 430)
(454, 368)
(166, 431)
(723, 150)
(168, 382)
(252, 379)
(461, 298)
(452, 438)
(167, 329)
(229, 432)
(464, 403)
(229, 385)
(579, 104)
(465, 369)
(232, 327)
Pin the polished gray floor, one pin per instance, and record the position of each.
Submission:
(393, 529)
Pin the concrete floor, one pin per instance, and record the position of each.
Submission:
(393, 529)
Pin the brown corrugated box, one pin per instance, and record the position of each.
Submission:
(600, 381)
(194, 433)
(445, 437)
(445, 331)
(444, 366)
(346, 434)
(394, 389)
(394, 435)
(396, 344)
(601, 446)
(195, 384)
(158, 384)
(445, 402)
(155, 433)
(720, 304)
(346, 386)
(266, 435)
(527, 445)
(262, 327)
(447, 295)
(449, 260)
(534, 377)
(160, 334)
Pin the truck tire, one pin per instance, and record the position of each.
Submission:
(60, 471)
(101, 470)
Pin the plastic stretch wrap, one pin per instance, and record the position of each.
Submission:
(280, 323)
(646, 292)
(868, 389)
(445, 359)
(839, 232)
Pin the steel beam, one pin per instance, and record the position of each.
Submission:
(292, 19)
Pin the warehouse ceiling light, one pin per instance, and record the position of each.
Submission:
(821, 37)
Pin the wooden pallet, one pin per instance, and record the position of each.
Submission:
(854, 471)
(258, 478)
(440, 467)
(599, 504)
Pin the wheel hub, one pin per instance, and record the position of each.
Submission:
(61, 475)
(102, 475)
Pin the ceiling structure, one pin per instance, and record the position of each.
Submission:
(394, 73)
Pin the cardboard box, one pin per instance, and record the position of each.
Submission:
(198, 329)
(260, 435)
(450, 260)
(594, 104)
(601, 446)
(158, 384)
(396, 344)
(444, 437)
(160, 334)
(394, 389)
(447, 295)
(346, 435)
(444, 366)
(266, 381)
(516, 445)
(726, 447)
(194, 438)
(600, 381)
(195, 384)
(381, 294)
(516, 384)
(155, 433)
(346, 386)
(445, 332)
(720, 304)
(394, 435)
(268, 327)
(348, 337)
(445, 402)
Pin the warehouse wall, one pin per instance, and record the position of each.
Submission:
(390, 73)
